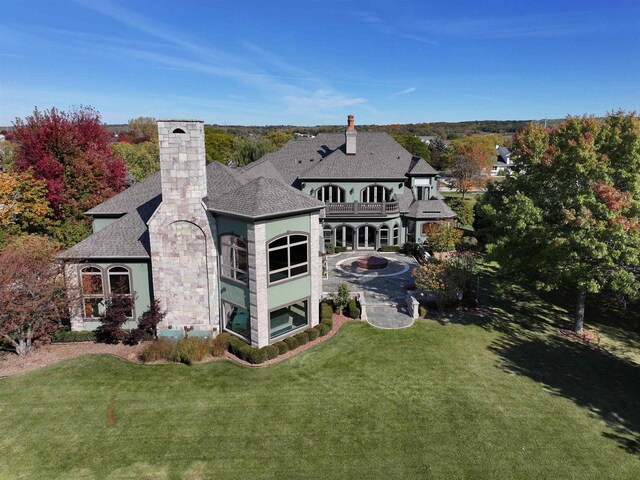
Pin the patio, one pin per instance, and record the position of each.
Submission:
(384, 289)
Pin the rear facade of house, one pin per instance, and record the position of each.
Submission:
(240, 249)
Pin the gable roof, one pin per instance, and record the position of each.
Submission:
(430, 209)
(421, 167)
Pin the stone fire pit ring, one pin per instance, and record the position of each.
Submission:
(371, 262)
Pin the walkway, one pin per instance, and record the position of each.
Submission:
(384, 290)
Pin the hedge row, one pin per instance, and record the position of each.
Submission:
(66, 335)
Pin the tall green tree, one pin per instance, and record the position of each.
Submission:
(571, 220)
(414, 146)
(219, 145)
(141, 159)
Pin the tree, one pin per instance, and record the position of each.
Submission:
(33, 299)
(471, 160)
(442, 237)
(278, 138)
(141, 159)
(23, 204)
(414, 146)
(463, 209)
(250, 149)
(6, 154)
(219, 145)
(437, 149)
(70, 152)
(143, 129)
(572, 219)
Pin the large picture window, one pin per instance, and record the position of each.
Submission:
(286, 319)
(93, 298)
(233, 258)
(375, 194)
(236, 319)
(288, 257)
(330, 194)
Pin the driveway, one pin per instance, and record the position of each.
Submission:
(384, 290)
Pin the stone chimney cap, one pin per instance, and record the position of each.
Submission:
(181, 121)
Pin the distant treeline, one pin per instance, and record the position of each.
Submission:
(445, 130)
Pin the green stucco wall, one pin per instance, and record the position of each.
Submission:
(231, 225)
(290, 291)
(140, 284)
(395, 187)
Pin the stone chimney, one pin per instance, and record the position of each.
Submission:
(182, 161)
(350, 136)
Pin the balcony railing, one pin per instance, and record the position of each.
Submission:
(361, 209)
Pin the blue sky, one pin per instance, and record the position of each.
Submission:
(309, 62)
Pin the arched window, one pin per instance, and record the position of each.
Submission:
(120, 285)
(330, 194)
(396, 235)
(178, 130)
(93, 299)
(233, 258)
(288, 257)
(375, 194)
(384, 235)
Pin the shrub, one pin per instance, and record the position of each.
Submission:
(354, 311)
(302, 338)
(271, 351)
(312, 333)
(66, 335)
(326, 311)
(115, 316)
(463, 208)
(292, 342)
(248, 353)
(323, 329)
(219, 345)
(282, 347)
(150, 319)
(340, 249)
(442, 237)
(159, 350)
(329, 248)
(422, 311)
(189, 350)
(409, 248)
(328, 322)
(135, 336)
(390, 248)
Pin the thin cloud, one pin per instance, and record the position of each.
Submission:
(405, 91)
(387, 28)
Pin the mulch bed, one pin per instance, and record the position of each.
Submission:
(587, 336)
(338, 321)
(11, 364)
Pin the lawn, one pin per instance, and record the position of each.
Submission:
(499, 397)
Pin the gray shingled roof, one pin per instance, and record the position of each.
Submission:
(261, 198)
(430, 209)
(422, 168)
(231, 191)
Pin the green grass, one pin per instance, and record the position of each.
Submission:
(499, 397)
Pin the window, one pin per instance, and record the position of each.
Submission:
(330, 194)
(326, 233)
(423, 193)
(375, 194)
(233, 258)
(288, 257)
(236, 319)
(396, 234)
(120, 285)
(93, 300)
(384, 235)
(286, 319)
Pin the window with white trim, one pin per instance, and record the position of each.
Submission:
(383, 233)
(288, 257)
(326, 233)
(93, 298)
(120, 285)
(396, 234)
(233, 258)
(375, 194)
(330, 194)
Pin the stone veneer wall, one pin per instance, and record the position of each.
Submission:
(182, 232)
(315, 269)
(258, 310)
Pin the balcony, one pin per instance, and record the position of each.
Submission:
(359, 209)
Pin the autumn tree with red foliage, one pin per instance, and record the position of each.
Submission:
(70, 151)
(33, 299)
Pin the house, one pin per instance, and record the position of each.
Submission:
(240, 250)
(503, 164)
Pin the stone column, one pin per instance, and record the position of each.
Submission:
(258, 310)
(315, 265)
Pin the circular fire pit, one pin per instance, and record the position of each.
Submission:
(372, 263)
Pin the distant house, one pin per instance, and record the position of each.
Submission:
(503, 164)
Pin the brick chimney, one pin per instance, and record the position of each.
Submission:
(350, 136)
